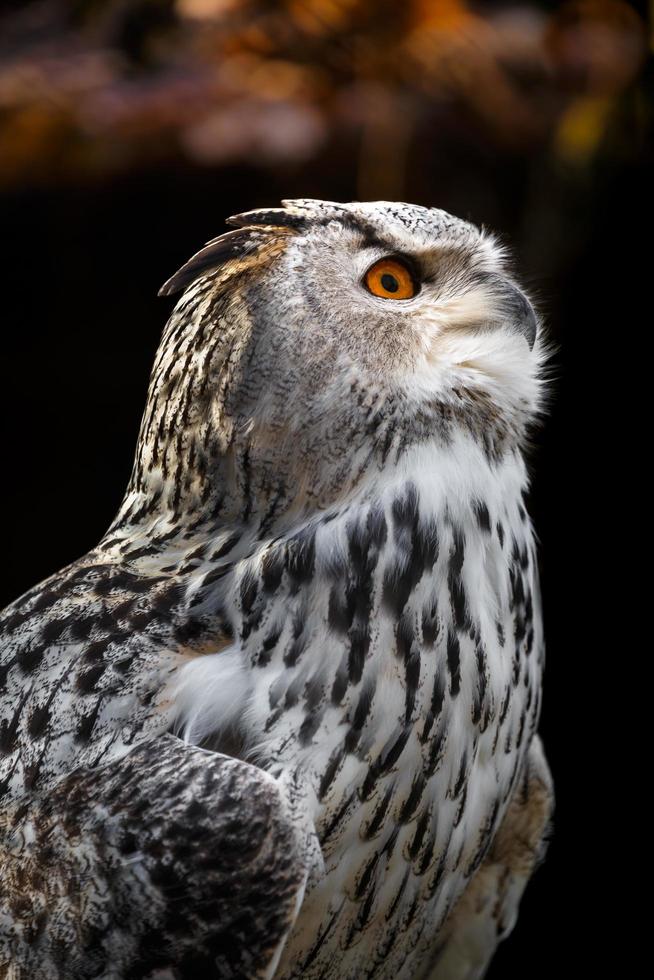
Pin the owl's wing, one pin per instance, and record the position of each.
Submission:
(168, 862)
(488, 909)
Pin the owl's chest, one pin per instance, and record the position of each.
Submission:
(411, 715)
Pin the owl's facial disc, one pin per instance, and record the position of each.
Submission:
(408, 299)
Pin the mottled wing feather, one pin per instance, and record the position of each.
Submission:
(488, 910)
(170, 858)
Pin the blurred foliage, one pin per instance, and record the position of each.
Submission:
(94, 88)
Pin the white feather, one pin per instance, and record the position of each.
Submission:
(210, 693)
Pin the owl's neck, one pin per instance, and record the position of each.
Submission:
(267, 478)
(154, 537)
(220, 451)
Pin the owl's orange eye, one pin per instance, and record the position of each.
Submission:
(390, 279)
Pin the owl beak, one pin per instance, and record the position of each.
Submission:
(518, 312)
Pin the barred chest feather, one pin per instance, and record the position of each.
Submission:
(395, 654)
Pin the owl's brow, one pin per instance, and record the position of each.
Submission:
(370, 234)
(282, 217)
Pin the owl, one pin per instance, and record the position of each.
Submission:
(281, 721)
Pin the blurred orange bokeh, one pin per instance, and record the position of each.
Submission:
(88, 90)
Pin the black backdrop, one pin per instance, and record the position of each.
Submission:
(80, 325)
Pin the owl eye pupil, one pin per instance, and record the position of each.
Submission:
(390, 283)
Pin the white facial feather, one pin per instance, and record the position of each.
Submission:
(496, 362)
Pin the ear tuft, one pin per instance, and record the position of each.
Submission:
(231, 245)
(277, 217)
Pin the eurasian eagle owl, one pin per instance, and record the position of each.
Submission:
(282, 720)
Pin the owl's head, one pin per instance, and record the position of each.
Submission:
(319, 340)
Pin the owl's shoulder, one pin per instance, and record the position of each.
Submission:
(82, 659)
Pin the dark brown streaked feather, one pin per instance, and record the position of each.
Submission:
(278, 217)
(226, 248)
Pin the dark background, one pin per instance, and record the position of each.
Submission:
(128, 131)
